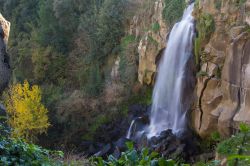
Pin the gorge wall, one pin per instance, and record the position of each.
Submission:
(223, 81)
(223, 91)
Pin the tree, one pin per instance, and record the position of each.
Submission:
(26, 114)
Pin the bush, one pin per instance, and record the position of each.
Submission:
(237, 148)
(173, 10)
(205, 27)
(156, 27)
(17, 152)
(26, 114)
(133, 157)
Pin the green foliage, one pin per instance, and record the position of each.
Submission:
(127, 40)
(49, 32)
(205, 26)
(173, 10)
(17, 152)
(197, 50)
(211, 163)
(237, 148)
(156, 27)
(240, 2)
(110, 25)
(153, 41)
(51, 95)
(201, 74)
(215, 136)
(133, 157)
(94, 84)
(49, 65)
(218, 4)
(125, 66)
(99, 121)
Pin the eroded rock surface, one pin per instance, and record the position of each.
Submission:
(224, 93)
(152, 41)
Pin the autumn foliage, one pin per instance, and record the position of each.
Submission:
(27, 115)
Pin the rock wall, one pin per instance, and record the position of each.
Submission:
(4, 59)
(151, 41)
(223, 94)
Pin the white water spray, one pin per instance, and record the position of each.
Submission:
(169, 106)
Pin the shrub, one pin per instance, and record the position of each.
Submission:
(133, 157)
(17, 152)
(205, 26)
(173, 10)
(218, 4)
(126, 65)
(156, 27)
(237, 148)
(49, 65)
(26, 114)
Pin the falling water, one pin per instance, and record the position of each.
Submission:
(130, 130)
(169, 104)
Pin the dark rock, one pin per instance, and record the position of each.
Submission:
(166, 133)
(92, 150)
(153, 141)
(142, 141)
(137, 110)
(86, 144)
(1, 32)
(106, 150)
(2, 110)
(121, 144)
(117, 153)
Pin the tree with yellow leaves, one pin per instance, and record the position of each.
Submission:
(26, 114)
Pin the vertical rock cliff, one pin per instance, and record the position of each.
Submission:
(223, 94)
(4, 59)
(223, 80)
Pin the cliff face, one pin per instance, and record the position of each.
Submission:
(4, 59)
(222, 93)
(223, 96)
(150, 30)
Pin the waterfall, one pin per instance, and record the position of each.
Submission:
(130, 130)
(169, 105)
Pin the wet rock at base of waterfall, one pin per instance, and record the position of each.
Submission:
(171, 146)
(117, 153)
(142, 141)
(105, 151)
(92, 150)
(121, 144)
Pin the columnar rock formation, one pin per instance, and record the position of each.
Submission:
(4, 59)
(152, 42)
(224, 92)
